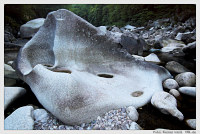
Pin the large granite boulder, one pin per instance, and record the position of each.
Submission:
(77, 72)
(132, 43)
(29, 29)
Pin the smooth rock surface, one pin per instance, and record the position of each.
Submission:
(132, 113)
(191, 123)
(167, 104)
(176, 67)
(78, 72)
(20, 119)
(174, 92)
(152, 58)
(11, 94)
(29, 29)
(188, 91)
(186, 79)
(40, 115)
(170, 84)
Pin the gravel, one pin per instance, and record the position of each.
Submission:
(112, 120)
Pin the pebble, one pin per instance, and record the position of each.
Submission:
(170, 84)
(191, 91)
(175, 93)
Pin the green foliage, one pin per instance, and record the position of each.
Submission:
(107, 14)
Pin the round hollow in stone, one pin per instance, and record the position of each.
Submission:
(137, 93)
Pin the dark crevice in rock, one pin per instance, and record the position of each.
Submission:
(62, 71)
(105, 75)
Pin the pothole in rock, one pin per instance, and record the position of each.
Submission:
(62, 71)
(106, 75)
(137, 93)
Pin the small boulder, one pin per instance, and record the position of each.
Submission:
(29, 29)
(190, 50)
(188, 91)
(132, 113)
(170, 84)
(8, 37)
(158, 37)
(152, 58)
(103, 29)
(10, 63)
(175, 93)
(191, 123)
(166, 103)
(175, 67)
(186, 79)
(158, 45)
(20, 119)
(116, 29)
(132, 43)
(135, 126)
(129, 27)
(185, 37)
(11, 94)
(10, 76)
(145, 36)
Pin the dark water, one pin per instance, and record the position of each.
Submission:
(150, 118)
